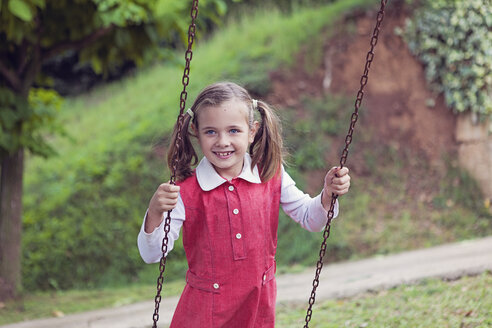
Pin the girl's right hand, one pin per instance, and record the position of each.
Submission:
(165, 199)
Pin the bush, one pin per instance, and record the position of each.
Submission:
(82, 224)
(453, 38)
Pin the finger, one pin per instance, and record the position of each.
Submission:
(163, 186)
(340, 185)
(331, 174)
(343, 171)
(166, 194)
(169, 187)
(341, 180)
(337, 172)
(174, 188)
(166, 186)
(168, 202)
(338, 188)
(343, 185)
(334, 170)
(340, 192)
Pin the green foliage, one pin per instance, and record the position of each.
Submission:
(20, 9)
(66, 232)
(453, 38)
(25, 123)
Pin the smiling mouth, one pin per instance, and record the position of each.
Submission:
(224, 154)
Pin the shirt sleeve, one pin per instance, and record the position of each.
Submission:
(302, 208)
(150, 244)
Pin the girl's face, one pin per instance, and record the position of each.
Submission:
(225, 135)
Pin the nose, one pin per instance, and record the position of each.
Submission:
(223, 140)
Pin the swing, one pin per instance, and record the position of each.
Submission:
(348, 139)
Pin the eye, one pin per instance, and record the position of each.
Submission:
(209, 132)
(234, 131)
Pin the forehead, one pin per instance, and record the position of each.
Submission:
(231, 112)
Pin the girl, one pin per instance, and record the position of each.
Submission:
(228, 208)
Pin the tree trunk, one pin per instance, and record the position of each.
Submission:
(10, 224)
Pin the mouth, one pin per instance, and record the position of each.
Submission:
(223, 154)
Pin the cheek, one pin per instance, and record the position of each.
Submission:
(206, 142)
(202, 142)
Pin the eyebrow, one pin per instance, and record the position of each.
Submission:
(208, 128)
(215, 128)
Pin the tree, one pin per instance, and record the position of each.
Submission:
(105, 33)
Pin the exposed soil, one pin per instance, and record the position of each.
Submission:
(395, 110)
(397, 93)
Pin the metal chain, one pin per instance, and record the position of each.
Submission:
(184, 95)
(343, 159)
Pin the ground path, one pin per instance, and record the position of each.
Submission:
(449, 261)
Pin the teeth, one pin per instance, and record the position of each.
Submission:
(224, 154)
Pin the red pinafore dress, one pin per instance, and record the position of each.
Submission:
(230, 239)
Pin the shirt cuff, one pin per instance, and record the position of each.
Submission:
(151, 235)
(320, 210)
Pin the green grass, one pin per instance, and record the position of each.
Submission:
(431, 303)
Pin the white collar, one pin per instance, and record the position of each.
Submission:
(209, 179)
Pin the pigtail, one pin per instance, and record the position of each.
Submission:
(185, 152)
(267, 147)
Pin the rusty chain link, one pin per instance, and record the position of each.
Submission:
(182, 103)
(343, 159)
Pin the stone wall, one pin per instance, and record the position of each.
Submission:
(475, 150)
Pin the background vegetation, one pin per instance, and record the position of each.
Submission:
(454, 41)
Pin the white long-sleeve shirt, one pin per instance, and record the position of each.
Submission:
(307, 211)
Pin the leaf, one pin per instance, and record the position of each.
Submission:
(221, 7)
(20, 9)
(97, 65)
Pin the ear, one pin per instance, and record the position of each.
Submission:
(194, 129)
(253, 130)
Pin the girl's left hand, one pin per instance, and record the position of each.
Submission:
(337, 181)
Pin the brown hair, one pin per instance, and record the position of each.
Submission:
(266, 150)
